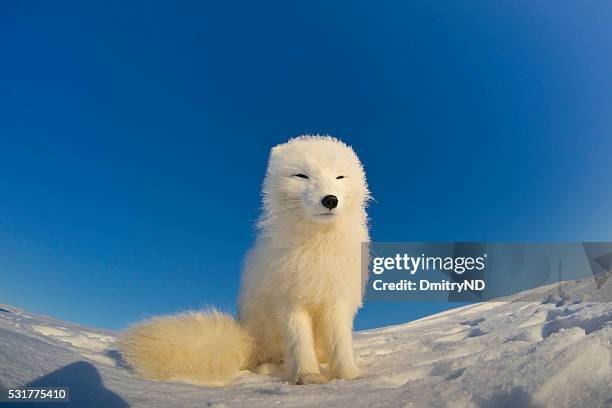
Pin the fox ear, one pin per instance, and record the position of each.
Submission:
(276, 150)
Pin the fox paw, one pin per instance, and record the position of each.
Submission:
(347, 372)
(310, 378)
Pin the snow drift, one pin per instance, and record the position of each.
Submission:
(551, 353)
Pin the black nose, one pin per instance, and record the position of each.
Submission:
(330, 201)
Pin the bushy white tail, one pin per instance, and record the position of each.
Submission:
(205, 348)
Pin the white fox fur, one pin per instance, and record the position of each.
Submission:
(301, 283)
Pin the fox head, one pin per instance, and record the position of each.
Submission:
(314, 179)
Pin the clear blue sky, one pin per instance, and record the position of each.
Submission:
(134, 135)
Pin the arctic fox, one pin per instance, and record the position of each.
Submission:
(301, 283)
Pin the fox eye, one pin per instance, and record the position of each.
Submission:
(339, 177)
(301, 175)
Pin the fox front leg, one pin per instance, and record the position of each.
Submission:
(338, 326)
(299, 348)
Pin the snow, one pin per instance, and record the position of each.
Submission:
(550, 353)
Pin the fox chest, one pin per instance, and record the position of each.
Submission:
(319, 275)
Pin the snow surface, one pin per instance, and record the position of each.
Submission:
(550, 353)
